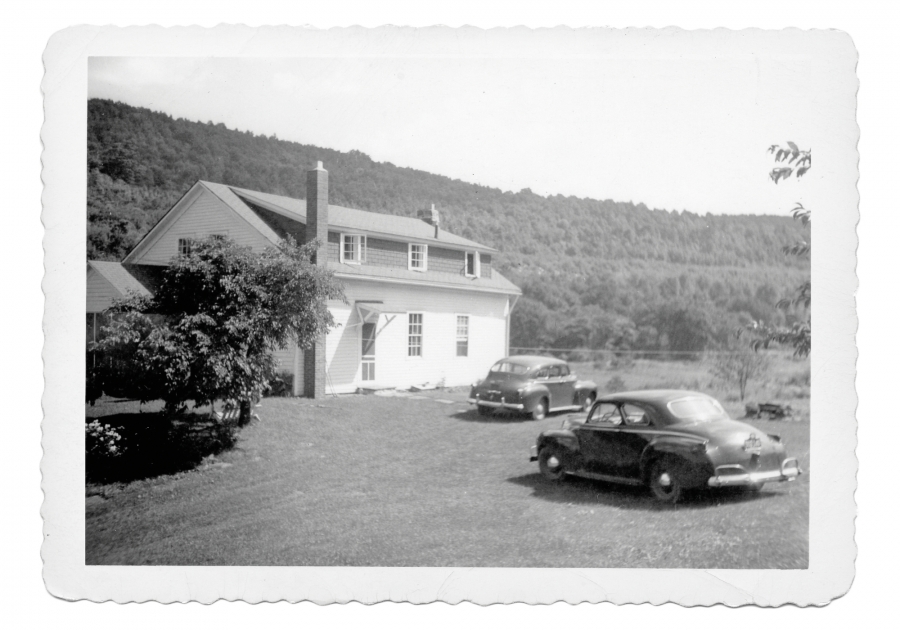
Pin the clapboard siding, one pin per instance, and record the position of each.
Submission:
(205, 216)
(342, 351)
(438, 363)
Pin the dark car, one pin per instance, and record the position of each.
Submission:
(668, 440)
(533, 385)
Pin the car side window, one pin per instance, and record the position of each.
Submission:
(554, 371)
(543, 373)
(605, 414)
(635, 416)
(563, 370)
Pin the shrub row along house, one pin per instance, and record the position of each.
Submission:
(423, 305)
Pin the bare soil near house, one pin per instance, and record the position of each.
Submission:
(411, 481)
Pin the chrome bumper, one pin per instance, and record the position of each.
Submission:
(735, 475)
(533, 457)
(502, 403)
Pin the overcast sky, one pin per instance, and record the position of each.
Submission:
(679, 133)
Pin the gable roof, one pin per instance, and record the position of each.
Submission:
(376, 223)
(275, 216)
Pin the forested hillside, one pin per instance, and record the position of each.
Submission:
(597, 274)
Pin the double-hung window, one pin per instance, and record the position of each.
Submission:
(353, 249)
(184, 246)
(473, 264)
(415, 334)
(462, 335)
(418, 257)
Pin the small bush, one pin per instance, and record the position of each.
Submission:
(281, 385)
(102, 441)
(125, 447)
(615, 384)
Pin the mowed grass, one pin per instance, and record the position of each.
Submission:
(387, 481)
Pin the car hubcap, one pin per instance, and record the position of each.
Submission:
(664, 480)
(552, 462)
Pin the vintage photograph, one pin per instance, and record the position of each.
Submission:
(518, 306)
(362, 314)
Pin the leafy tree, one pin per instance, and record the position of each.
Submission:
(211, 330)
(739, 367)
(799, 334)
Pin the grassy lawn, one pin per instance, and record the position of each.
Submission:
(400, 481)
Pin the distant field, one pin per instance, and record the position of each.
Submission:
(786, 381)
(399, 481)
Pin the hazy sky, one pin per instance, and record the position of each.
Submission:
(674, 133)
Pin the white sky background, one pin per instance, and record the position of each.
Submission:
(677, 134)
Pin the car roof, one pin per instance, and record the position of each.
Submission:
(532, 360)
(652, 396)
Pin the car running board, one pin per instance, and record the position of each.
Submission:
(599, 477)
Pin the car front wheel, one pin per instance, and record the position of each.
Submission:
(664, 482)
(550, 463)
(540, 410)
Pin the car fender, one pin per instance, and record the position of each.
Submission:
(690, 452)
(562, 437)
(583, 388)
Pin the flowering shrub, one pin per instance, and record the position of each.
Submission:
(102, 440)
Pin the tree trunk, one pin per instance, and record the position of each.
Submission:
(244, 416)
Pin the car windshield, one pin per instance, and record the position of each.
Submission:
(509, 368)
(697, 409)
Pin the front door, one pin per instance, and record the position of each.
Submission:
(367, 352)
(613, 439)
(562, 387)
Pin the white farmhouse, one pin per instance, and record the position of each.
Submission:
(423, 305)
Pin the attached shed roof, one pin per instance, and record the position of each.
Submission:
(119, 277)
(495, 284)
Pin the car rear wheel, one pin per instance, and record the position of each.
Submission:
(588, 401)
(550, 463)
(484, 410)
(540, 410)
(664, 482)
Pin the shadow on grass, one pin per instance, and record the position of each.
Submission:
(498, 417)
(502, 416)
(589, 492)
(151, 444)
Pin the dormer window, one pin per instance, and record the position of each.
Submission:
(473, 265)
(353, 249)
(418, 257)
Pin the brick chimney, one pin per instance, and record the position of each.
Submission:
(316, 228)
(317, 210)
(431, 217)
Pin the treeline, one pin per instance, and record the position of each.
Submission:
(618, 268)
